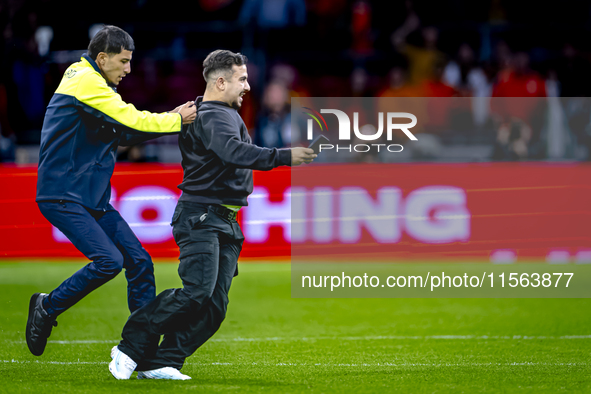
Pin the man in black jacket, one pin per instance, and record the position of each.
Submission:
(218, 158)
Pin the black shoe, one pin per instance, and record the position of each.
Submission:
(39, 325)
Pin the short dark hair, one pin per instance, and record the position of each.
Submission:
(222, 60)
(111, 40)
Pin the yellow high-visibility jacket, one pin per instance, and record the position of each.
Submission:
(86, 120)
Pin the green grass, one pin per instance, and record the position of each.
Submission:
(273, 343)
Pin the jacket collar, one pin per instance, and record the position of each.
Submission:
(97, 69)
(200, 102)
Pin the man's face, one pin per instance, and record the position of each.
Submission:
(114, 67)
(236, 86)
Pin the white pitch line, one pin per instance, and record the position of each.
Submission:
(399, 337)
(13, 361)
(288, 364)
(452, 337)
(82, 342)
(346, 338)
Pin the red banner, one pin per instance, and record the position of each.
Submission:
(498, 211)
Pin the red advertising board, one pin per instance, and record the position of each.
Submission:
(496, 211)
(145, 194)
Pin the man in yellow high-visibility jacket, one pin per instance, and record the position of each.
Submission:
(85, 122)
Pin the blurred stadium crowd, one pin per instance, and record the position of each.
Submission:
(323, 48)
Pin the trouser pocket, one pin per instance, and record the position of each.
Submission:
(198, 268)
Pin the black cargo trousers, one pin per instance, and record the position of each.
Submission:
(210, 241)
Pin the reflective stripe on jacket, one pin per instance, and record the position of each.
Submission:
(86, 120)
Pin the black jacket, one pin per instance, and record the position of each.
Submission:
(218, 156)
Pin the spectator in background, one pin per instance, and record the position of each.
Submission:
(502, 58)
(421, 59)
(514, 103)
(470, 80)
(465, 75)
(512, 140)
(519, 80)
(438, 111)
(273, 126)
(288, 76)
(435, 86)
(268, 26)
(397, 85)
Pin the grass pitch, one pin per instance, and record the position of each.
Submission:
(273, 343)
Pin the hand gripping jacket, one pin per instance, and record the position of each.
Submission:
(85, 122)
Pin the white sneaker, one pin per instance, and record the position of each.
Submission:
(163, 373)
(122, 365)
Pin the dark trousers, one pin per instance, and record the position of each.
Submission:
(209, 247)
(107, 240)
